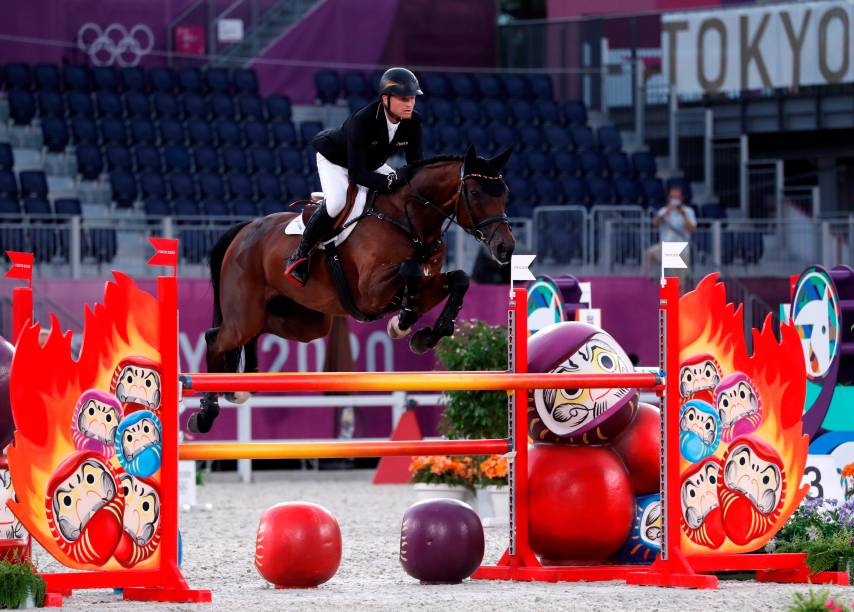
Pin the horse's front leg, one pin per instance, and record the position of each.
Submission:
(453, 284)
(401, 324)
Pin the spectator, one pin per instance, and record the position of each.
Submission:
(676, 222)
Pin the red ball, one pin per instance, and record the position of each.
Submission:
(639, 448)
(298, 545)
(581, 502)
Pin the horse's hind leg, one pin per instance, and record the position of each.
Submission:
(453, 284)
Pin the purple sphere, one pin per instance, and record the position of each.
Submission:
(7, 425)
(441, 541)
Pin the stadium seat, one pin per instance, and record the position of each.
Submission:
(54, 134)
(152, 185)
(33, 184)
(147, 158)
(629, 190)
(46, 76)
(77, 77)
(592, 163)
(327, 85)
(181, 186)
(22, 106)
(200, 132)
(132, 78)
(538, 163)
(653, 191)
(284, 134)
(271, 206)
(515, 165)
(206, 159)
(142, 131)
(520, 188)
(166, 106)
(356, 85)
(469, 110)
(713, 212)
(7, 157)
(428, 138)
(240, 186)
(156, 208)
(503, 136)
(8, 185)
(618, 164)
(90, 164)
(84, 131)
(118, 158)
(279, 108)
(187, 209)
(18, 76)
(290, 160)
(308, 130)
(43, 243)
(171, 131)
(194, 106)
(195, 242)
(480, 138)
(113, 131)
(574, 112)
(250, 107)
(176, 158)
(462, 86)
(310, 156)
(190, 81)
(245, 81)
(557, 138)
(137, 104)
(644, 164)
(256, 134)
(123, 188)
(574, 190)
(228, 133)
(67, 207)
(451, 138)
(213, 207)
(268, 186)
(245, 209)
(297, 186)
(104, 78)
(516, 86)
(211, 186)
(522, 112)
(162, 79)
(50, 103)
(38, 207)
(109, 104)
(221, 106)
(496, 110)
(435, 85)
(80, 104)
(609, 139)
(10, 207)
(546, 190)
(530, 137)
(583, 137)
(442, 111)
(217, 80)
(234, 159)
(489, 85)
(601, 190)
(566, 163)
(541, 86)
(262, 160)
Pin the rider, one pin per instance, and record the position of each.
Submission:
(357, 152)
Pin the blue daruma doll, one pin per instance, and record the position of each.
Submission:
(699, 430)
(138, 443)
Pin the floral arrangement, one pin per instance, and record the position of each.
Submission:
(493, 471)
(847, 480)
(441, 469)
(816, 602)
(822, 528)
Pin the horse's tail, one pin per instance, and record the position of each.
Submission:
(217, 254)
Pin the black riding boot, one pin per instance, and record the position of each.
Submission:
(318, 226)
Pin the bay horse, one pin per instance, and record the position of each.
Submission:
(392, 262)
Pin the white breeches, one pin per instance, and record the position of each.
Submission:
(334, 182)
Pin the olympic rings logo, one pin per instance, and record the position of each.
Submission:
(115, 44)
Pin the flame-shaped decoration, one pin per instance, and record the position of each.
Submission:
(46, 382)
(708, 324)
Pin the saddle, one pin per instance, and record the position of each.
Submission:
(309, 206)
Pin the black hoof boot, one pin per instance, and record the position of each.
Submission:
(202, 421)
(423, 340)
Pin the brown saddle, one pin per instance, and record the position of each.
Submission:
(310, 207)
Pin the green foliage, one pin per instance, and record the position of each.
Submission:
(476, 346)
(816, 602)
(825, 553)
(17, 580)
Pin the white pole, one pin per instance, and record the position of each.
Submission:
(244, 434)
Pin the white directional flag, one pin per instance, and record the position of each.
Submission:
(519, 265)
(671, 255)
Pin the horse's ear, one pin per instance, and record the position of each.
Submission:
(471, 156)
(498, 162)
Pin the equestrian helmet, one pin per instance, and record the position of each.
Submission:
(399, 82)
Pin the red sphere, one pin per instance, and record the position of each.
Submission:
(581, 502)
(639, 448)
(298, 545)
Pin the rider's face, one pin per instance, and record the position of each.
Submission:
(402, 106)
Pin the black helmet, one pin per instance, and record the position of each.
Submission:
(399, 82)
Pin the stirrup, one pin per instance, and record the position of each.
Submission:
(289, 272)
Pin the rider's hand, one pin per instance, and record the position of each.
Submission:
(395, 182)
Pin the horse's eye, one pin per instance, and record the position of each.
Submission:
(475, 193)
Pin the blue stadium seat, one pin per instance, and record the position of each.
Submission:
(206, 159)
(468, 110)
(118, 158)
(137, 104)
(256, 133)
(290, 160)
(547, 111)
(356, 85)
(479, 136)
(297, 186)
(629, 190)
(515, 165)
(77, 77)
(215, 208)
(308, 130)
(190, 80)
(462, 86)
(217, 80)
(123, 187)
(429, 140)
(67, 207)
(451, 138)
(516, 86)
(539, 163)
(172, 131)
(279, 108)
(546, 190)
(8, 208)
(200, 132)
(284, 134)
(43, 243)
(142, 131)
(541, 86)
(234, 159)
(496, 110)
(33, 184)
(653, 191)
(187, 209)
(489, 85)
(166, 105)
(22, 106)
(84, 131)
(271, 207)
(435, 85)
(132, 78)
(310, 156)
(211, 186)
(46, 76)
(240, 186)
(54, 134)
(80, 104)
(245, 81)
(566, 163)
(195, 242)
(530, 137)
(8, 185)
(644, 164)
(574, 112)
(503, 136)
(262, 160)
(601, 190)
(50, 103)
(574, 190)
(38, 207)
(557, 138)
(327, 84)
(105, 78)
(685, 185)
(90, 164)
(157, 208)
(228, 133)
(711, 211)
(113, 131)
(583, 138)
(610, 139)
(520, 188)
(442, 111)
(618, 164)
(147, 158)
(176, 158)
(522, 112)
(163, 79)
(7, 158)
(109, 104)
(592, 163)
(152, 185)
(268, 186)
(194, 106)
(245, 209)
(181, 186)
(251, 107)
(18, 76)
(222, 106)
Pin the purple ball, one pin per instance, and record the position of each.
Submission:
(7, 425)
(441, 541)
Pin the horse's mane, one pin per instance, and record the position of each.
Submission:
(412, 168)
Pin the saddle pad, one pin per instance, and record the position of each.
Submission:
(296, 226)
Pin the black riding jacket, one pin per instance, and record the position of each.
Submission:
(361, 144)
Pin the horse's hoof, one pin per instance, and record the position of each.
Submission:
(422, 341)
(239, 397)
(200, 423)
(393, 329)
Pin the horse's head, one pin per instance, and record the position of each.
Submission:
(482, 203)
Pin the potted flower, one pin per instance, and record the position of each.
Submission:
(20, 586)
(439, 476)
(494, 478)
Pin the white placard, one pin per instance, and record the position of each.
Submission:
(187, 483)
(591, 316)
(822, 473)
(229, 30)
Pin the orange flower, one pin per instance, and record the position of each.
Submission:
(848, 470)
